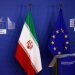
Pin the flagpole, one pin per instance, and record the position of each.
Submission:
(61, 5)
(29, 5)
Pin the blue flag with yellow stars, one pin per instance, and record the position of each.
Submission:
(59, 42)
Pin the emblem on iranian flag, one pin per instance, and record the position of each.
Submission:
(29, 44)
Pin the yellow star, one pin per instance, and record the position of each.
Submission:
(66, 36)
(67, 42)
(66, 47)
(52, 42)
(53, 36)
(57, 31)
(59, 53)
(54, 48)
(62, 30)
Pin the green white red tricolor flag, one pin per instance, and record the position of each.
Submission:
(27, 53)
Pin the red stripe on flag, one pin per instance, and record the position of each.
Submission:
(24, 60)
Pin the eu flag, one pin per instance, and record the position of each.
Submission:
(59, 42)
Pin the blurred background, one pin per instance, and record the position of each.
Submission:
(44, 13)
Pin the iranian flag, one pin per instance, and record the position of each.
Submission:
(27, 53)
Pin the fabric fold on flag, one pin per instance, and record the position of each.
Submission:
(28, 53)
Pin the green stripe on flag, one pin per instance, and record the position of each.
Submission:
(30, 24)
